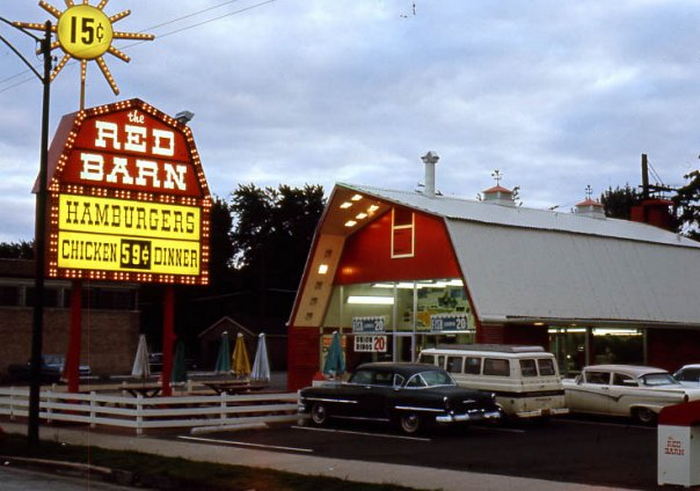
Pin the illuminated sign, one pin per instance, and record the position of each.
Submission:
(368, 324)
(370, 344)
(128, 200)
(121, 235)
(448, 322)
(84, 32)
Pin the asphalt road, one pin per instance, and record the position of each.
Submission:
(591, 451)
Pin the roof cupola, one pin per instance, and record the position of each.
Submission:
(590, 207)
(498, 195)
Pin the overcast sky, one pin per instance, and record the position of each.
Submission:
(557, 94)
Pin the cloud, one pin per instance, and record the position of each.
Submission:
(557, 95)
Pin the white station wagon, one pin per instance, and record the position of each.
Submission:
(625, 390)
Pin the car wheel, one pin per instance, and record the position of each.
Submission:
(645, 416)
(410, 423)
(319, 414)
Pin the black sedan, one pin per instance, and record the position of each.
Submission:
(409, 394)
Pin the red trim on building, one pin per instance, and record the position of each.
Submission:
(303, 345)
(670, 349)
(519, 334)
(367, 254)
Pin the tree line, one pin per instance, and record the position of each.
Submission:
(259, 241)
(685, 207)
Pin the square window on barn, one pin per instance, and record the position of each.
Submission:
(402, 233)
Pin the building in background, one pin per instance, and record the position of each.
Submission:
(397, 271)
(110, 320)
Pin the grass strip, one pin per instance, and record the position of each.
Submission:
(154, 471)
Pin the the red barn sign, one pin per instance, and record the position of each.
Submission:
(128, 200)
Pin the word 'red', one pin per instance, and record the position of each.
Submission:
(128, 170)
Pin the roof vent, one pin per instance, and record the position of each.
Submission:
(589, 207)
(430, 159)
(498, 195)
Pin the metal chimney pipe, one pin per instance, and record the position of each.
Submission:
(430, 159)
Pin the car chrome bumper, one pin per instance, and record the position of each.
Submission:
(469, 416)
(542, 412)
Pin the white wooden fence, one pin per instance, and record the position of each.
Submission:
(142, 413)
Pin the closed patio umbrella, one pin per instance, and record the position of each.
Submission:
(335, 361)
(141, 367)
(223, 359)
(261, 364)
(179, 373)
(241, 362)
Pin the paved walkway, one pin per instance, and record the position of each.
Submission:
(360, 471)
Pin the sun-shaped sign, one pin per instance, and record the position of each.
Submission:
(84, 32)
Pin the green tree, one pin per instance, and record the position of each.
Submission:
(686, 205)
(271, 236)
(618, 202)
(220, 246)
(17, 250)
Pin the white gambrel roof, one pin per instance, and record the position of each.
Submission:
(477, 211)
(522, 264)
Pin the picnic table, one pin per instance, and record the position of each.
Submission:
(145, 389)
(232, 386)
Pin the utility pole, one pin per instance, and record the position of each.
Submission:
(39, 230)
(645, 177)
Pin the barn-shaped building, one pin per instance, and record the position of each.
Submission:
(397, 271)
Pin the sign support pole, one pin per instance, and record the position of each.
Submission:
(72, 369)
(168, 338)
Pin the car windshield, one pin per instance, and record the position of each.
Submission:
(430, 378)
(654, 379)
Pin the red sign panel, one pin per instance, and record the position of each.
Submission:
(128, 199)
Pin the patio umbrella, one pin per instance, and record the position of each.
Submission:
(261, 364)
(241, 362)
(179, 373)
(335, 362)
(223, 360)
(141, 367)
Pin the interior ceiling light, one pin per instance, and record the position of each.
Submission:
(323, 269)
(346, 204)
(370, 300)
(616, 332)
(372, 208)
(350, 223)
(357, 197)
(361, 216)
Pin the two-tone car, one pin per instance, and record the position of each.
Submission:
(410, 395)
(624, 390)
(689, 375)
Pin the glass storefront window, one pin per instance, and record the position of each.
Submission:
(411, 314)
(605, 345)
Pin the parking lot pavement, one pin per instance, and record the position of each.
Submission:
(603, 453)
(411, 472)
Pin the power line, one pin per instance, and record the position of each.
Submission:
(235, 12)
(192, 26)
(193, 14)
